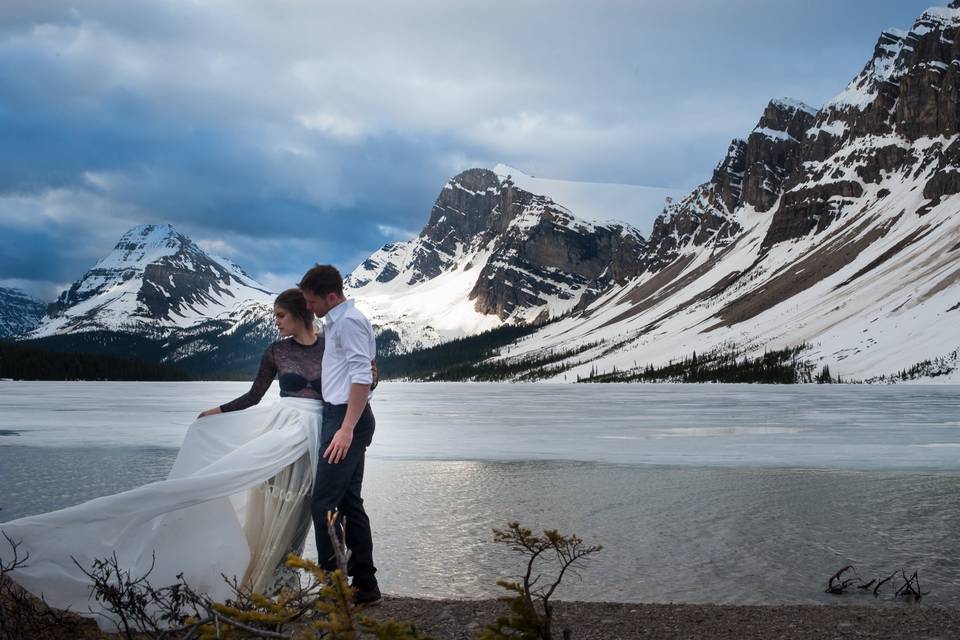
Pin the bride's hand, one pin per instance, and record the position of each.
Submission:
(209, 412)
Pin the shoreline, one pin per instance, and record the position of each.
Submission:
(459, 619)
(448, 619)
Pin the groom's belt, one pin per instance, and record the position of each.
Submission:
(331, 406)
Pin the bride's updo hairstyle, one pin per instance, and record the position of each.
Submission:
(293, 302)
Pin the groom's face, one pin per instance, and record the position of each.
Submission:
(318, 304)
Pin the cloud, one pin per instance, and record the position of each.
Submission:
(395, 233)
(280, 281)
(289, 132)
(335, 125)
(42, 290)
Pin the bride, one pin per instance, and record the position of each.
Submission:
(236, 501)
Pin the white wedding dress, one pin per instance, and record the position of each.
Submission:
(236, 502)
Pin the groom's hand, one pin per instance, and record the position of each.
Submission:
(339, 445)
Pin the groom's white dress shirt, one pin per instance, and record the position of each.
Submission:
(349, 346)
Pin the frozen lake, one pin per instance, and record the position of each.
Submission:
(713, 493)
(810, 426)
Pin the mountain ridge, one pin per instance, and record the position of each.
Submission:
(835, 228)
(158, 295)
(847, 240)
(490, 253)
(154, 280)
(19, 312)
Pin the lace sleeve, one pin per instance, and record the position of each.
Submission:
(265, 376)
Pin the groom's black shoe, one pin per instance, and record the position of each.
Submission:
(367, 594)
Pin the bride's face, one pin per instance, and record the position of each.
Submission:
(286, 322)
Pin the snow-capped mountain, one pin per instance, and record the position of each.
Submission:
(158, 296)
(155, 280)
(837, 227)
(491, 253)
(19, 313)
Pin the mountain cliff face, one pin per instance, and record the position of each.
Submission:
(896, 122)
(19, 313)
(837, 227)
(491, 253)
(752, 173)
(160, 297)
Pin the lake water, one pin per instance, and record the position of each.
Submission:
(715, 493)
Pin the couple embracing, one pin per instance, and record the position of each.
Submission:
(247, 480)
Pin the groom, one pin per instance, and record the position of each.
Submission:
(348, 424)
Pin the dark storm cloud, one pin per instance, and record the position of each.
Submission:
(286, 132)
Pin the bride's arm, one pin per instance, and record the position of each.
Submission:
(265, 376)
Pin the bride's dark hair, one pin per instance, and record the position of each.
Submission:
(293, 302)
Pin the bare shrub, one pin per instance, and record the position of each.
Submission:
(531, 612)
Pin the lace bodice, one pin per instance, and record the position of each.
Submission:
(298, 367)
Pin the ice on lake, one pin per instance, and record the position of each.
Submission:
(810, 426)
(713, 493)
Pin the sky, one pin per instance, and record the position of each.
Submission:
(282, 133)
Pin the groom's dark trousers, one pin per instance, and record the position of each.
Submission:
(338, 487)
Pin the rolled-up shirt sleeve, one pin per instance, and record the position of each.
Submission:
(356, 349)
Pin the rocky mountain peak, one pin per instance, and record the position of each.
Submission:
(154, 278)
(146, 242)
(773, 151)
(928, 69)
(460, 211)
(909, 84)
(499, 253)
(752, 172)
(158, 296)
(812, 165)
(784, 116)
(894, 120)
(882, 68)
(459, 215)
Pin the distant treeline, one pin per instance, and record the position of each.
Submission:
(940, 366)
(472, 359)
(784, 366)
(22, 362)
(205, 353)
(461, 359)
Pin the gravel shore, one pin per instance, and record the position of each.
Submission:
(463, 619)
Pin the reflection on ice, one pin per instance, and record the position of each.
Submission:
(691, 432)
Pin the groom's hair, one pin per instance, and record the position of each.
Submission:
(322, 279)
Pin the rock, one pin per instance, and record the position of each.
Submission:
(773, 151)
(809, 208)
(19, 313)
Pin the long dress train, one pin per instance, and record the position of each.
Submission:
(235, 503)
